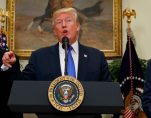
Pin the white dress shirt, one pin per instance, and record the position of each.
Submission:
(4, 68)
(75, 55)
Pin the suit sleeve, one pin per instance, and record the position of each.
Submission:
(106, 76)
(12, 73)
(6, 80)
(146, 97)
(29, 72)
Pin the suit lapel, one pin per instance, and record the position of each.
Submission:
(56, 59)
(83, 63)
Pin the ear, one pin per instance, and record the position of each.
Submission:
(78, 27)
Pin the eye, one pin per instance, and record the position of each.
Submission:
(68, 20)
(58, 22)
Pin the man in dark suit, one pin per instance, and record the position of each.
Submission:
(6, 79)
(146, 97)
(48, 63)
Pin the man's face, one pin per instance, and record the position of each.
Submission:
(65, 25)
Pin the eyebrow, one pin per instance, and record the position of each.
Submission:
(61, 19)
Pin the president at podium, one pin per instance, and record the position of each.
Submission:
(68, 57)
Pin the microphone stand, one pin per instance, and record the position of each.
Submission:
(66, 60)
(65, 45)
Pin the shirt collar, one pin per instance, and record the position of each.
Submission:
(75, 46)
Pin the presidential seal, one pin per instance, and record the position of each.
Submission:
(65, 93)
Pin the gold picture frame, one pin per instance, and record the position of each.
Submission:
(113, 50)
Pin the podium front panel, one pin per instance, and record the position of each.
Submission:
(32, 97)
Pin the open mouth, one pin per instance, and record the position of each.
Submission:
(65, 32)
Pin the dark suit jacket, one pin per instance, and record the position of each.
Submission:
(44, 64)
(6, 79)
(146, 97)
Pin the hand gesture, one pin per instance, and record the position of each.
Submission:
(9, 59)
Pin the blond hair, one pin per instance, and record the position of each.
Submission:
(65, 10)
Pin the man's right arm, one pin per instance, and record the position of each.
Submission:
(8, 59)
(9, 73)
(4, 68)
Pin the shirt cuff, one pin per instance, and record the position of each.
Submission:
(4, 68)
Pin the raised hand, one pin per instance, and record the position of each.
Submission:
(9, 59)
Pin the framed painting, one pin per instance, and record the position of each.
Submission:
(29, 24)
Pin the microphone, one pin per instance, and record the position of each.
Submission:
(65, 46)
(65, 43)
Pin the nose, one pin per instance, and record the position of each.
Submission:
(63, 24)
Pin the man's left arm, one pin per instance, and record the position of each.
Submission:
(106, 76)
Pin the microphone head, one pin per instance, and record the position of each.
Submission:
(65, 39)
(65, 42)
